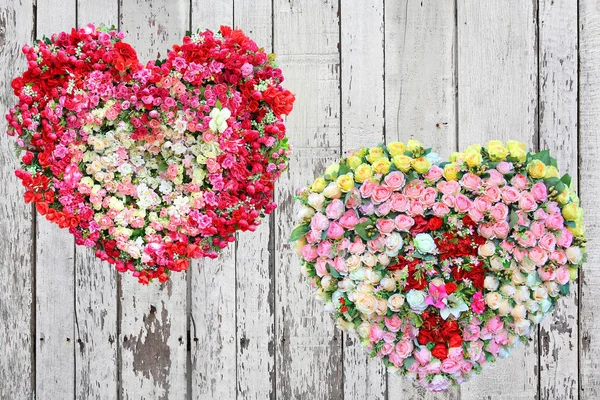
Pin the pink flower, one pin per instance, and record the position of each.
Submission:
(385, 225)
(414, 189)
(540, 214)
(520, 181)
(340, 265)
(538, 229)
(538, 255)
(335, 209)
(399, 202)
(482, 204)
(324, 248)
(335, 231)
(548, 242)
(358, 247)
(349, 219)
(475, 214)
(501, 229)
(492, 192)
(504, 167)
(565, 239)
(499, 211)
(559, 257)
(450, 366)
(321, 267)
(395, 359)
(367, 188)
(384, 208)
(404, 223)
(486, 230)
(471, 332)
(449, 187)
(526, 239)
(462, 203)
(563, 275)
(394, 180)
(434, 174)
(422, 355)
(381, 194)
(547, 274)
(510, 194)
(415, 208)
(386, 349)
(436, 296)
(466, 366)
(478, 303)
(456, 354)
(393, 323)
(539, 192)
(495, 178)
(428, 196)
(375, 333)
(404, 348)
(309, 253)
(319, 222)
(440, 209)
(495, 325)
(471, 182)
(555, 222)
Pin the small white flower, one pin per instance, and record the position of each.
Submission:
(165, 187)
(180, 125)
(454, 306)
(219, 119)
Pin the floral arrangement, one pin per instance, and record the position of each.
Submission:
(440, 268)
(152, 165)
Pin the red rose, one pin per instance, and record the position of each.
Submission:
(27, 158)
(455, 341)
(281, 102)
(440, 351)
(476, 276)
(421, 225)
(435, 223)
(450, 287)
(468, 221)
(125, 57)
(425, 336)
(415, 280)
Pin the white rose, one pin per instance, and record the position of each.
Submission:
(491, 283)
(527, 266)
(329, 307)
(327, 282)
(373, 277)
(496, 264)
(332, 191)
(523, 327)
(531, 306)
(395, 302)
(316, 201)
(519, 312)
(363, 329)
(346, 284)
(504, 308)
(552, 288)
(357, 275)
(369, 259)
(573, 254)
(536, 318)
(393, 244)
(507, 290)
(383, 259)
(416, 300)
(493, 299)
(540, 293)
(517, 278)
(424, 243)
(353, 262)
(305, 214)
(487, 249)
(521, 295)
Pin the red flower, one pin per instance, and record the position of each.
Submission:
(27, 158)
(416, 279)
(440, 351)
(125, 57)
(455, 341)
(435, 223)
(450, 287)
(425, 336)
(421, 225)
(282, 102)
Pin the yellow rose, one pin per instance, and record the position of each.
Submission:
(396, 148)
(363, 172)
(570, 212)
(375, 153)
(497, 152)
(345, 182)
(451, 171)
(579, 229)
(382, 165)
(573, 273)
(536, 169)
(519, 154)
(354, 161)
(564, 197)
(551, 172)
(414, 146)
(421, 165)
(403, 163)
(495, 143)
(473, 158)
(455, 156)
(318, 185)
(514, 145)
(333, 170)
(474, 147)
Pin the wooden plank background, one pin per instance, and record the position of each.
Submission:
(246, 326)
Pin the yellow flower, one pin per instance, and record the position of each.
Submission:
(495, 143)
(354, 161)
(332, 191)
(396, 148)
(519, 154)
(573, 273)
(421, 165)
(375, 153)
(474, 147)
(564, 197)
(570, 212)
(513, 145)
(318, 185)
(536, 169)
(362, 173)
(451, 171)
(403, 163)
(579, 229)
(382, 165)
(345, 182)
(473, 158)
(455, 156)
(414, 146)
(497, 151)
(551, 172)
(333, 170)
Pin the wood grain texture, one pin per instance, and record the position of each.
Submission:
(255, 286)
(96, 309)
(420, 101)
(17, 363)
(497, 99)
(55, 256)
(153, 320)
(558, 133)
(589, 153)
(362, 54)
(308, 347)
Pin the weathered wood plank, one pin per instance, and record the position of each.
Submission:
(255, 291)
(558, 132)
(55, 254)
(213, 282)
(420, 100)
(17, 367)
(362, 41)
(589, 153)
(96, 282)
(497, 99)
(153, 325)
(308, 347)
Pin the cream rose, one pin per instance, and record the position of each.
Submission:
(363, 329)
(573, 254)
(522, 294)
(519, 312)
(366, 303)
(504, 308)
(496, 264)
(388, 284)
(332, 191)
(517, 278)
(493, 299)
(395, 302)
(491, 283)
(507, 290)
(353, 262)
(316, 200)
(373, 277)
(346, 284)
(552, 288)
(369, 259)
(540, 293)
(523, 327)
(487, 249)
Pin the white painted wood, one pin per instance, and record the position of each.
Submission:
(17, 339)
(96, 281)
(153, 325)
(362, 41)
(497, 99)
(558, 133)
(589, 184)
(308, 347)
(420, 100)
(55, 254)
(255, 290)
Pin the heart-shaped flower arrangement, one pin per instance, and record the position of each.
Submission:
(151, 165)
(440, 268)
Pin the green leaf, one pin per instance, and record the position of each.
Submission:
(564, 289)
(551, 182)
(361, 230)
(408, 362)
(162, 166)
(344, 169)
(299, 232)
(218, 104)
(572, 224)
(566, 179)
(514, 218)
(334, 272)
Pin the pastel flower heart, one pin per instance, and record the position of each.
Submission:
(440, 268)
(151, 165)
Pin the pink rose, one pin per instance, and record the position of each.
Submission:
(540, 214)
(475, 214)
(396, 360)
(548, 242)
(552, 208)
(349, 219)
(381, 194)
(414, 189)
(434, 367)
(367, 188)
(386, 349)
(449, 200)
(384, 208)
(415, 208)
(495, 325)
(563, 275)
(422, 355)
(399, 202)
(367, 209)
(456, 354)
(471, 182)
(319, 222)
(493, 347)
(499, 211)
(538, 229)
(449, 187)
(324, 248)
(375, 333)
(486, 230)
(509, 194)
(466, 366)
(538, 255)
(440, 209)
(340, 265)
(555, 222)
(309, 253)
(394, 323)
(404, 223)
(492, 192)
(520, 181)
(358, 247)
(450, 366)
(475, 350)
(335, 231)
(547, 274)
(462, 203)
(389, 337)
(565, 239)
(335, 209)
(507, 246)
(313, 237)
(519, 254)
(526, 239)
(482, 204)
(471, 333)
(559, 257)
(434, 174)
(385, 225)
(377, 244)
(428, 196)
(504, 167)
(527, 202)
(404, 348)
(540, 192)
(394, 180)
(495, 178)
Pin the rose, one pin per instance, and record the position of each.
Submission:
(428, 197)
(385, 225)
(393, 243)
(520, 181)
(539, 192)
(335, 209)
(335, 231)
(421, 165)
(345, 182)
(404, 348)
(505, 167)
(363, 172)
(471, 181)
(366, 303)
(318, 185)
(487, 249)
(332, 191)
(492, 299)
(416, 300)
(554, 222)
(574, 254)
(404, 222)
(381, 166)
(402, 162)
(536, 169)
(440, 351)
(399, 202)
(395, 302)
(424, 243)
(435, 174)
(349, 219)
(510, 194)
(396, 148)
(316, 200)
(319, 222)
(394, 180)
(381, 194)
(305, 214)
(462, 203)
(125, 57)
(527, 202)
(435, 223)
